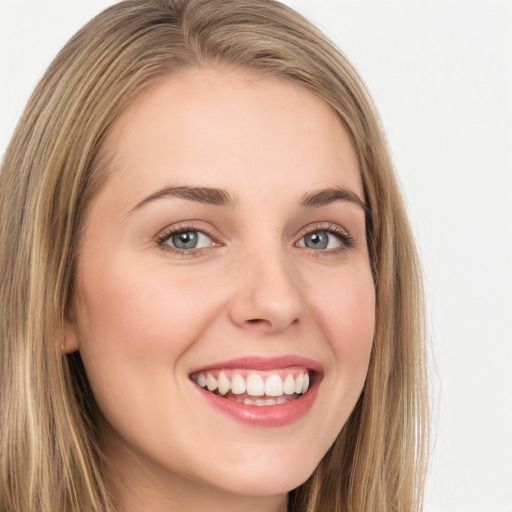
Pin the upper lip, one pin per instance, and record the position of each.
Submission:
(263, 363)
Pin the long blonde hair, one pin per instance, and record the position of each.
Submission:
(49, 459)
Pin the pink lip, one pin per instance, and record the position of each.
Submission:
(264, 363)
(266, 416)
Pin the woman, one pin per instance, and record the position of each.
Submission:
(210, 293)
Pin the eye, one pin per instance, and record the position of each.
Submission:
(331, 240)
(320, 240)
(186, 240)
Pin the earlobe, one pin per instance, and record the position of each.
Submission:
(69, 337)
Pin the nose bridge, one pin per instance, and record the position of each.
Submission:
(268, 290)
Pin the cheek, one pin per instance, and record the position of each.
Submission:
(135, 326)
(141, 309)
(357, 321)
(345, 310)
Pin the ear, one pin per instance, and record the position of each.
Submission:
(70, 337)
(69, 341)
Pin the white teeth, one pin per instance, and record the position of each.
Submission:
(224, 383)
(274, 386)
(201, 380)
(260, 402)
(238, 385)
(281, 400)
(298, 384)
(255, 385)
(211, 382)
(289, 385)
(305, 384)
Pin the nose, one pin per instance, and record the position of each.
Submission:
(268, 294)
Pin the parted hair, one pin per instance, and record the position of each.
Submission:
(49, 456)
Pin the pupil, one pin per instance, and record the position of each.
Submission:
(187, 240)
(318, 240)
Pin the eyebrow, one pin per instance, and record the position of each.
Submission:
(203, 195)
(323, 197)
(221, 197)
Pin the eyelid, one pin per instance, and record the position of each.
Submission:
(183, 227)
(346, 239)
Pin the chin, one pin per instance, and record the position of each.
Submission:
(268, 477)
(273, 483)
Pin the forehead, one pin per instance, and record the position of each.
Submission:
(235, 130)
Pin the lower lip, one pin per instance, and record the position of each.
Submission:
(268, 415)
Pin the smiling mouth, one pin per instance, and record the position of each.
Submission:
(254, 387)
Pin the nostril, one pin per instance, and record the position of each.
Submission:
(258, 323)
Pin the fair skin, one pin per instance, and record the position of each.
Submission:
(262, 280)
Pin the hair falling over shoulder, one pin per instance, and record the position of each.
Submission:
(49, 458)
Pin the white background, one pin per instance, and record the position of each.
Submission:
(441, 76)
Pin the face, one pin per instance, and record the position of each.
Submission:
(223, 265)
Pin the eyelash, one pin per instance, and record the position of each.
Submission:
(184, 228)
(346, 240)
